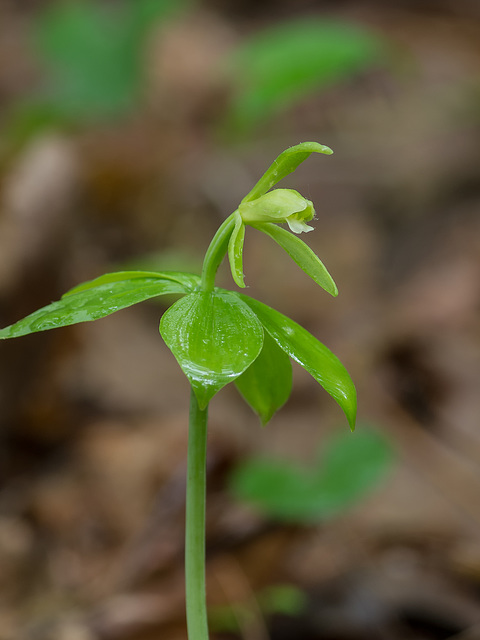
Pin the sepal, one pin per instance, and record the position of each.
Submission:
(284, 164)
(301, 253)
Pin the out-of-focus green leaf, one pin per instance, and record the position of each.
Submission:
(97, 299)
(314, 356)
(235, 251)
(284, 164)
(231, 618)
(91, 73)
(93, 54)
(301, 253)
(286, 599)
(280, 65)
(283, 599)
(214, 336)
(350, 467)
(279, 489)
(172, 259)
(141, 14)
(267, 383)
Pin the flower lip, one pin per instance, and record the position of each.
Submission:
(298, 226)
(279, 205)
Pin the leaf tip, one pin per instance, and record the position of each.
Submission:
(351, 413)
(265, 419)
(239, 279)
(316, 147)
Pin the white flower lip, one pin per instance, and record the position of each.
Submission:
(298, 226)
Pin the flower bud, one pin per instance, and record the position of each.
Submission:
(280, 205)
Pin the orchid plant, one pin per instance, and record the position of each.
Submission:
(219, 336)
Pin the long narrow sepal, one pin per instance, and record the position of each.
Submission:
(284, 164)
(302, 254)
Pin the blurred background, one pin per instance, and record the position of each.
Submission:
(129, 129)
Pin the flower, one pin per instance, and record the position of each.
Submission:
(280, 205)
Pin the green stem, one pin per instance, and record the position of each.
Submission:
(216, 252)
(197, 623)
(195, 523)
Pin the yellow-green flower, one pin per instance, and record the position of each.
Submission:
(277, 206)
(280, 205)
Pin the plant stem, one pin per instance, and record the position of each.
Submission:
(195, 590)
(195, 523)
(216, 252)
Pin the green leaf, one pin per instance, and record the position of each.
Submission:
(267, 383)
(100, 298)
(235, 251)
(301, 253)
(284, 164)
(351, 466)
(281, 65)
(187, 282)
(214, 336)
(314, 356)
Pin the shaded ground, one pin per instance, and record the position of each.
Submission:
(94, 417)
